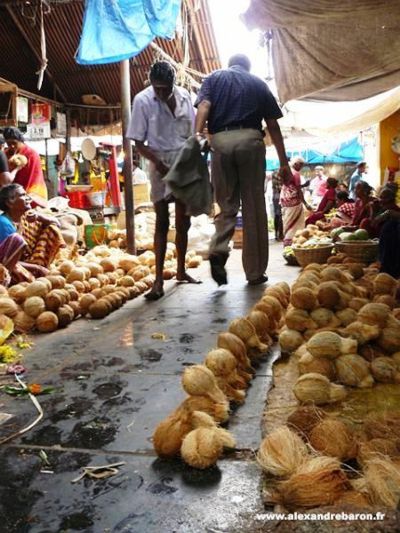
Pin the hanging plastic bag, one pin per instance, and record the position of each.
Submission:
(127, 27)
(67, 168)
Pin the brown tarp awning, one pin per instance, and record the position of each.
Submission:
(347, 51)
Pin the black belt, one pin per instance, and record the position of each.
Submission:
(237, 127)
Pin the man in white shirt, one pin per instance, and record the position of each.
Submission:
(162, 120)
(139, 176)
(318, 185)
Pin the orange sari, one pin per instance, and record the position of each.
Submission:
(31, 176)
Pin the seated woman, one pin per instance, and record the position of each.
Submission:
(327, 203)
(345, 210)
(29, 240)
(365, 208)
(29, 175)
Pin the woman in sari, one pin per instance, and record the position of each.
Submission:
(365, 208)
(344, 211)
(30, 176)
(29, 240)
(292, 201)
(327, 203)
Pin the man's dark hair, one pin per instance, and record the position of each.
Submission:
(162, 71)
(389, 190)
(6, 194)
(342, 195)
(365, 186)
(241, 60)
(332, 182)
(13, 133)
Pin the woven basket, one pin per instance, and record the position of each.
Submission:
(320, 255)
(362, 251)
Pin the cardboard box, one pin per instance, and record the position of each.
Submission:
(141, 193)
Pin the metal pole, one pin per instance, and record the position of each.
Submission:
(126, 143)
(46, 158)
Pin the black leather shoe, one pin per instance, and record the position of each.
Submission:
(218, 272)
(258, 281)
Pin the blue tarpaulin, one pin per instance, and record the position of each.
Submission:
(120, 29)
(346, 152)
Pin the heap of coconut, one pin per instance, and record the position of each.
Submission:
(343, 328)
(93, 285)
(192, 430)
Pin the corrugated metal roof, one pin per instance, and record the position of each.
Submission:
(20, 51)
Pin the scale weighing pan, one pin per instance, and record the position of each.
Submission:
(88, 149)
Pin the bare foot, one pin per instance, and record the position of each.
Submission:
(155, 293)
(185, 278)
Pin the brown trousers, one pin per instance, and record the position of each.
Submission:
(238, 175)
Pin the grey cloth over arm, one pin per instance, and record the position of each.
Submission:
(189, 179)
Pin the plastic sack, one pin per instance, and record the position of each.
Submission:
(118, 30)
(58, 203)
(67, 167)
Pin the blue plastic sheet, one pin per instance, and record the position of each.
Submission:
(114, 30)
(347, 152)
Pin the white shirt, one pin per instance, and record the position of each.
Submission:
(153, 121)
(139, 176)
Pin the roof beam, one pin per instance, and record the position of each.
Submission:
(33, 50)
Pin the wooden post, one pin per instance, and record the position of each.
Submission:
(126, 143)
(68, 132)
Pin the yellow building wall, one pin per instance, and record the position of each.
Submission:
(388, 128)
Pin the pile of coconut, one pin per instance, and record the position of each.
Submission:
(343, 328)
(193, 430)
(320, 460)
(93, 285)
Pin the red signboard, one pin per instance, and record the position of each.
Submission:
(40, 113)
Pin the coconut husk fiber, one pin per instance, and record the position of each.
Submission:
(382, 479)
(385, 427)
(282, 452)
(320, 481)
(304, 419)
(378, 448)
(334, 438)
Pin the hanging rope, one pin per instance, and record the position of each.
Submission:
(43, 51)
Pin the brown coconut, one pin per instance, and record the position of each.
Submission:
(334, 438)
(65, 316)
(201, 448)
(169, 434)
(99, 309)
(319, 481)
(385, 427)
(34, 306)
(47, 322)
(8, 307)
(17, 293)
(23, 323)
(304, 419)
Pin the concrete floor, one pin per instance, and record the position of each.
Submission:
(114, 384)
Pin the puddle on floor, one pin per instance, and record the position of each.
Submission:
(93, 434)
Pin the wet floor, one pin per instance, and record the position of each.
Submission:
(115, 382)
